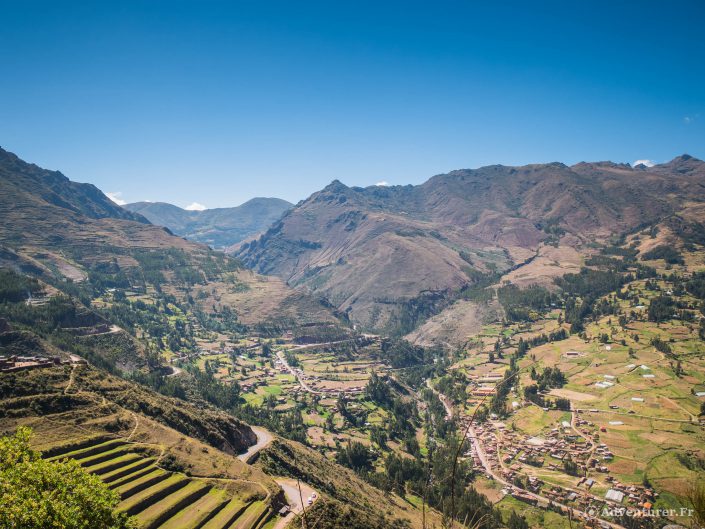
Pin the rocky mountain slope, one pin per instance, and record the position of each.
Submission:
(66, 232)
(25, 186)
(387, 255)
(219, 227)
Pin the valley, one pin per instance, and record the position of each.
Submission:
(219, 228)
(558, 380)
(352, 265)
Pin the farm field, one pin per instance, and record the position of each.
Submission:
(648, 410)
(158, 498)
(624, 403)
(308, 379)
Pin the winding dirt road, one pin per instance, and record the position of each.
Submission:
(264, 437)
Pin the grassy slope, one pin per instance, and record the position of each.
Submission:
(355, 501)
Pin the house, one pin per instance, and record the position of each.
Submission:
(525, 498)
(614, 495)
(483, 392)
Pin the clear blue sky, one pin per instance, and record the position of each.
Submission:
(217, 102)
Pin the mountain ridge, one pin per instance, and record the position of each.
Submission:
(371, 250)
(57, 189)
(217, 227)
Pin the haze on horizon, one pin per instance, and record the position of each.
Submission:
(209, 105)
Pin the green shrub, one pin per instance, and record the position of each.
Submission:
(39, 494)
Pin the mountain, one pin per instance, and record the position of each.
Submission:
(219, 227)
(27, 188)
(71, 236)
(53, 222)
(390, 257)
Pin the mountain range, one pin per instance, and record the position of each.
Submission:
(390, 257)
(404, 260)
(117, 315)
(218, 227)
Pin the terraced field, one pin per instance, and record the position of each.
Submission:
(159, 498)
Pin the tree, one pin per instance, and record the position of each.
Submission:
(40, 494)
(516, 521)
(330, 423)
(660, 309)
(291, 359)
(379, 437)
(356, 456)
(378, 390)
(270, 401)
(570, 467)
(696, 499)
(562, 404)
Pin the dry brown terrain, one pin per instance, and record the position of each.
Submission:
(455, 325)
(381, 253)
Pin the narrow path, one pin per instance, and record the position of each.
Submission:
(137, 424)
(114, 329)
(71, 379)
(303, 347)
(444, 400)
(174, 371)
(593, 444)
(650, 417)
(692, 417)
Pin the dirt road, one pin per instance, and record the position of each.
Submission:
(263, 439)
(294, 498)
(294, 372)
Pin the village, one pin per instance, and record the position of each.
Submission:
(530, 468)
(580, 458)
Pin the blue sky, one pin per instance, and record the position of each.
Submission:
(217, 102)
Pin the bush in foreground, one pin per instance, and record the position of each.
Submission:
(39, 494)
